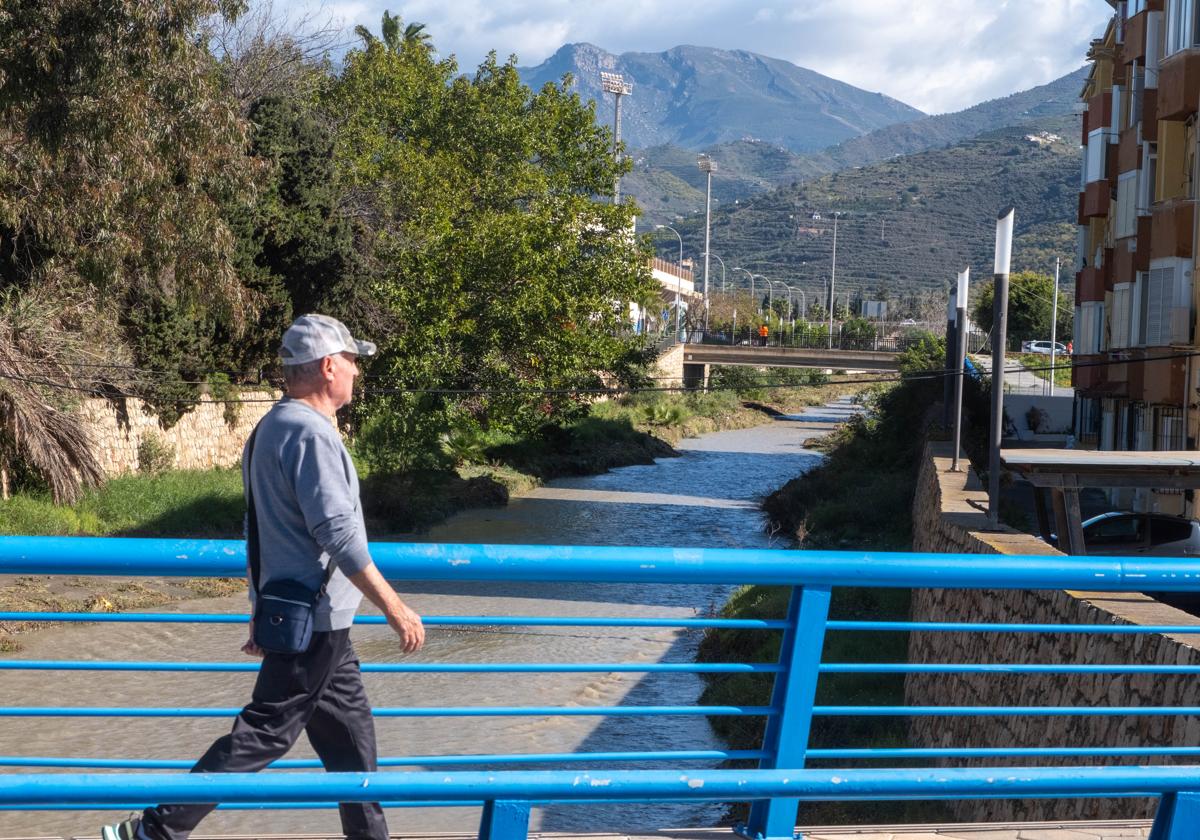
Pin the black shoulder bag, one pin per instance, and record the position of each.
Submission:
(283, 609)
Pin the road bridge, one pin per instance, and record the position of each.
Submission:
(785, 356)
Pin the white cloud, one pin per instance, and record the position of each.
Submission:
(937, 55)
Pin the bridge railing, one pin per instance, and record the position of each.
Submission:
(883, 342)
(777, 783)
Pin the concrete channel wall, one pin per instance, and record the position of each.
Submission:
(948, 516)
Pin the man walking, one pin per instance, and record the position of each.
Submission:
(303, 491)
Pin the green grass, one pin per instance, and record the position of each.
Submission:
(196, 503)
(1062, 367)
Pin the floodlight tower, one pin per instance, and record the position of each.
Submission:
(615, 84)
(708, 166)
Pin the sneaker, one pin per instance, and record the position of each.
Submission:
(125, 830)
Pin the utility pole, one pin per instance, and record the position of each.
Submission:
(1004, 234)
(615, 84)
(1054, 325)
(833, 279)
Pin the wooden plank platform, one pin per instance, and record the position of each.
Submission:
(1105, 830)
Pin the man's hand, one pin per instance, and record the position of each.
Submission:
(400, 618)
(408, 627)
(249, 648)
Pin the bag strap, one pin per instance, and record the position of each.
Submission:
(253, 556)
(253, 549)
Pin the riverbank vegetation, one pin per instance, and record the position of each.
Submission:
(476, 468)
(163, 218)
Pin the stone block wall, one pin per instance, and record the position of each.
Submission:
(949, 516)
(203, 438)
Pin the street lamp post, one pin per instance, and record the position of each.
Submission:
(960, 354)
(722, 262)
(708, 166)
(615, 84)
(678, 272)
(833, 278)
(1004, 235)
(748, 274)
(758, 303)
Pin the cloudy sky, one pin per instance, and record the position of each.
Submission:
(936, 55)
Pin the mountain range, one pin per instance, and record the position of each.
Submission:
(917, 194)
(699, 96)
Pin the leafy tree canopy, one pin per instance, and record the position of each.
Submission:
(506, 271)
(1030, 307)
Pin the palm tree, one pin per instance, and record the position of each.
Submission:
(394, 40)
(416, 36)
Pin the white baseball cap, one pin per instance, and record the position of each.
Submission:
(312, 337)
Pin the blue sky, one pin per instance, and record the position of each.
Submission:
(936, 55)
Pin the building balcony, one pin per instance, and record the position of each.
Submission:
(1099, 112)
(1091, 284)
(1129, 151)
(1095, 200)
(1089, 379)
(1171, 234)
(1179, 85)
(1150, 116)
(1134, 48)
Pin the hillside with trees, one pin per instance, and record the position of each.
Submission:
(909, 223)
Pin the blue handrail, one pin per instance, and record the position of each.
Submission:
(775, 787)
(433, 561)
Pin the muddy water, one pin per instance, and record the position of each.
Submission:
(705, 498)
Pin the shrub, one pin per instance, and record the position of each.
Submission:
(154, 455)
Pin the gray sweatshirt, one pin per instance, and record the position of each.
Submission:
(306, 496)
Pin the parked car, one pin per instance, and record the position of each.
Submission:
(1152, 534)
(1146, 534)
(1044, 347)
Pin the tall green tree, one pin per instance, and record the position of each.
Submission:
(506, 271)
(120, 152)
(1030, 307)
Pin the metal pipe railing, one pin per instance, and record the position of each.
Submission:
(428, 561)
(775, 787)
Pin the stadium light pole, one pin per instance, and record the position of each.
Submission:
(615, 84)
(678, 272)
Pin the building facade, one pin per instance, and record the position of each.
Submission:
(1135, 305)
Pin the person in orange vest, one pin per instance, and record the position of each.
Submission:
(762, 334)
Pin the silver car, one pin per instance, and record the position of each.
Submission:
(1152, 534)
(1044, 348)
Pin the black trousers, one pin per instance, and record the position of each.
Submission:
(319, 692)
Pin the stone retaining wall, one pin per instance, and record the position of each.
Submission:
(203, 438)
(948, 516)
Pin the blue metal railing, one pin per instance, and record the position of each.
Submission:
(774, 788)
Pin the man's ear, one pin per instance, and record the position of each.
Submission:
(327, 368)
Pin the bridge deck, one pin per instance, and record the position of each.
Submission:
(1107, 830)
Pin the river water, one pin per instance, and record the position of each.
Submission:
(706, 498)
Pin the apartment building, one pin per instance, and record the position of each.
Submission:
(1134, 293)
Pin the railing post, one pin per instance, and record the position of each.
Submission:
(792, 699)
(503, 820)
(1178, 816)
